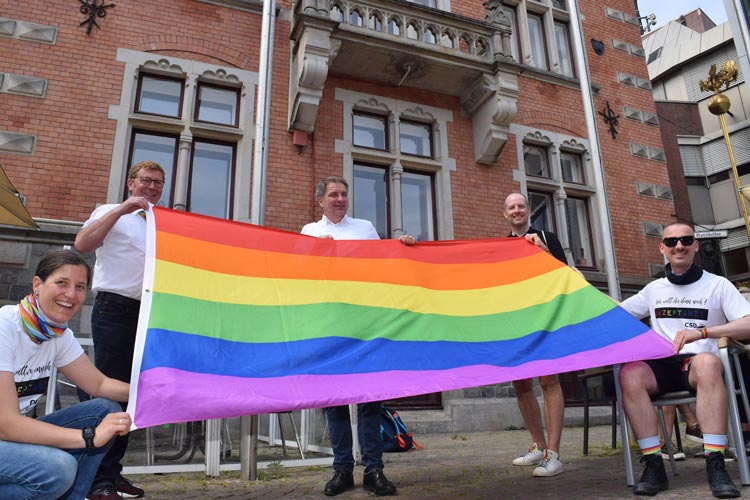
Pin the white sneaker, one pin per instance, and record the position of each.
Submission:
(549, 466)
(678, 455)
(532, 457)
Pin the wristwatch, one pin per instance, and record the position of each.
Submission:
(88, 436)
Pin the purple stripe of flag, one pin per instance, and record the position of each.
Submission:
(163, 392)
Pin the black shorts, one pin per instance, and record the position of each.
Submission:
(672, 373)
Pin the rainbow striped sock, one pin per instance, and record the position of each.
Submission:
(650, 445)
(714, 443)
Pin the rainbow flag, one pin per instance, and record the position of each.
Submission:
(238, 319)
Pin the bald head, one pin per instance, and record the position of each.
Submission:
(516, 211)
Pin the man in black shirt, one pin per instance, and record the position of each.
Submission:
(544, 453)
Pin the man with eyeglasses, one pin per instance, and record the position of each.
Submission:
(117, 233)
(692, 308)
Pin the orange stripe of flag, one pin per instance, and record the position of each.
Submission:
(223, 259)
(233, 233)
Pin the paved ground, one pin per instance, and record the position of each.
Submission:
(465, 466)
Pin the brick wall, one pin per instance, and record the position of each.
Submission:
(68, 173)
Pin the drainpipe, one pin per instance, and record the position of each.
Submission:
(610, 263)
(249, 423)
(260, 151)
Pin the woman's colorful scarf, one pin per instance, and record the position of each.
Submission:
(35, 323)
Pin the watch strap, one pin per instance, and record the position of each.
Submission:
(88, 433)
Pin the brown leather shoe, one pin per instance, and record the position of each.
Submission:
(341, 481)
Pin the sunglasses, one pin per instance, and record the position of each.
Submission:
(685, 240)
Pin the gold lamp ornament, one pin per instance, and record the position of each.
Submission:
(719, 105)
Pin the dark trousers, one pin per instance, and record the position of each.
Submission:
(368, 426)
(114, 322)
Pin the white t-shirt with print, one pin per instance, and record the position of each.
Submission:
(30, 363)
(710, 301)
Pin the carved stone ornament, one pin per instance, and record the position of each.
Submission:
(493, 103)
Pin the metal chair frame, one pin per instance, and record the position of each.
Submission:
(728, 349)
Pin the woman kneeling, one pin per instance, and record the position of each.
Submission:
(57, 455)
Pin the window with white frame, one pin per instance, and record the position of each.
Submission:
(415, 138)
(537, 42)
(571, 167)
(395, 154)
(579, 231)
(370, 131)
(188, 116)
(535, 160)
(426, 3)
(542, 216)
(541, 35)
(564, 51)
(511, 15)
(559, 191)
(160, 95)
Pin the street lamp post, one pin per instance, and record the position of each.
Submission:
(719, 105)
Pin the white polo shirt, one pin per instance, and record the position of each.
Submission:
(122, 255)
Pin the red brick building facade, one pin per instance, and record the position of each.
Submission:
(452, 106)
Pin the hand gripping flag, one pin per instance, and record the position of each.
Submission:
(239, 319)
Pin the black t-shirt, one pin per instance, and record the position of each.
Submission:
(549, 239)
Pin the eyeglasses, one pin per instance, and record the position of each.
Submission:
(685, 240)
(146, 181)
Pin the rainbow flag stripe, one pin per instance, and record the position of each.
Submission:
(238, 319)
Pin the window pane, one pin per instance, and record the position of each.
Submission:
(369, 131)
(535, 161)
(411, 32)
(429, 36)
(217, 105)
(162, 150)
(536, 37)
(426, 3)
(160, 96)
(559, 4)
(374, 23)
(563, 49)
(541, 212)
(415, 138)
(393, 27)
(736, 261)
(211, 179)
(418, 206)
(577, 216)
(370, 197)
(572, 168)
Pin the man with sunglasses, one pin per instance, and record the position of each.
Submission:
(117, 233)
(692, 308)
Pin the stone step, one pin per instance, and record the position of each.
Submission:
(482, 415)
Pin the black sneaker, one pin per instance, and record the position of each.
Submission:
(654, 477)
(103, 493)
(126, 489)
(718, 478)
